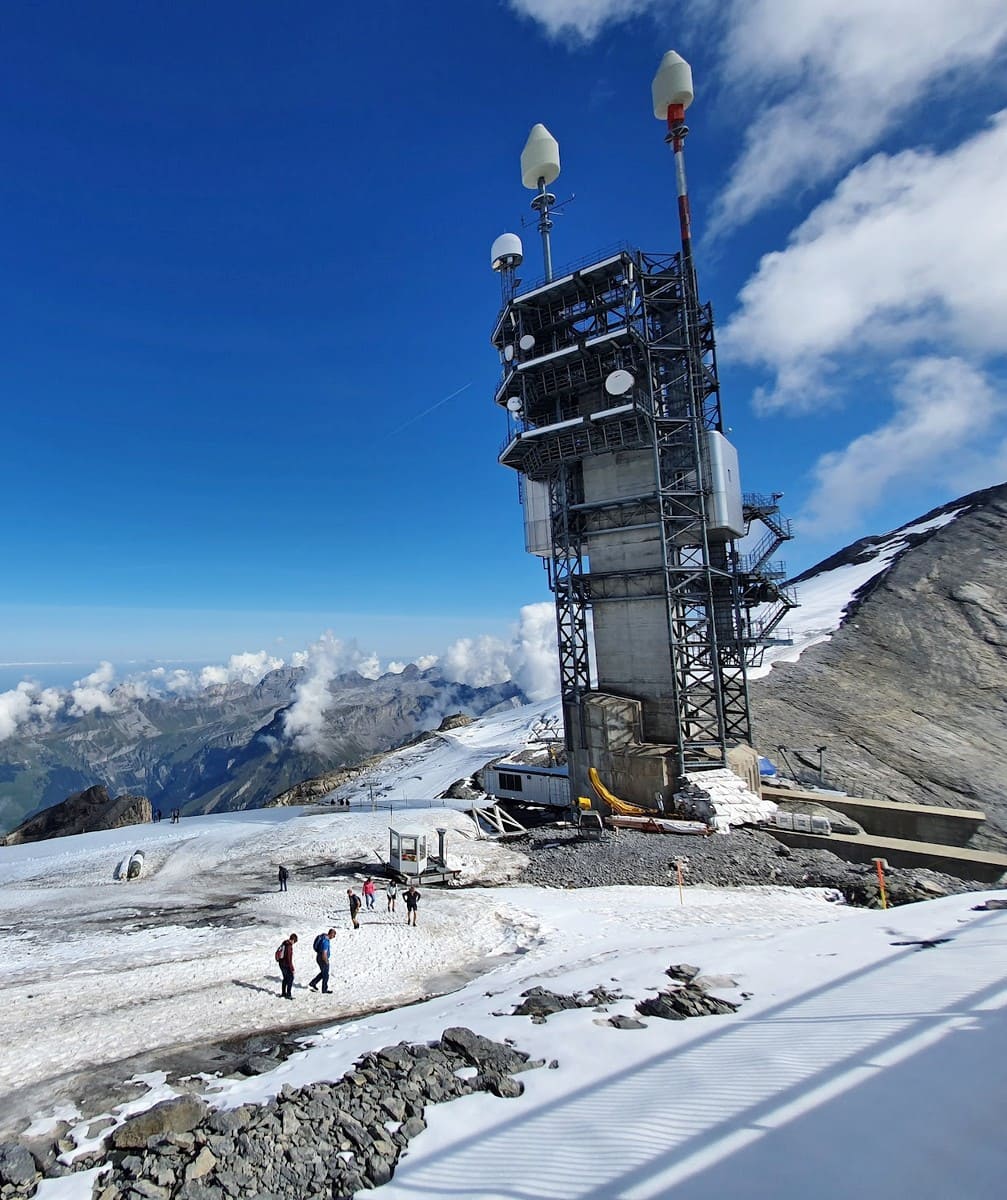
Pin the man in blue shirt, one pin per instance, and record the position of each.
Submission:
(321, 949)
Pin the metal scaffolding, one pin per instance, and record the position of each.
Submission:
(559, 342)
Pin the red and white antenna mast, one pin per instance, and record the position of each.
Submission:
(672, 93)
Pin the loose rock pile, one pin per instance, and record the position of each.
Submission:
(562, 858)
(324, 1139)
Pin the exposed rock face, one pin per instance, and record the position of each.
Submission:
(910, 695)
(83, 812)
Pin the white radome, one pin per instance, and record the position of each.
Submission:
(539, 158)
(506, 251)
(672, 84)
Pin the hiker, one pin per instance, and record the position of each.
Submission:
(285, 957)
(321, 947)
(391, 891)
(412, 904)
(369, 889)
(283, 878)
(156, 815)
(354, 906)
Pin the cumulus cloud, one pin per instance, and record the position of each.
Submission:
(93, 693)
(530, 658)
(581, 20)
(942, 407)
(28, 707)
(247, 668)
(836, 76)
(304, 721)
(909, 249)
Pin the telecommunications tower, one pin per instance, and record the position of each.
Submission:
(632, 497)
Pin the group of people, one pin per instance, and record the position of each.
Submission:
(322, 944)
(155, 816)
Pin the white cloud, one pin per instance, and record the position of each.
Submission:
(247, 668)
(28, 705)
(304, 721)
(93, 693)
(908, 252)
(834, 76)
(530, 659)
(582, 20)
(426, 661)
(479, 662)
(942, 406)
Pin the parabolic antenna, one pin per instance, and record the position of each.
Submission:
(527, 341)
(514, 404)
(539, 158)
(508, 352)
(619, 383)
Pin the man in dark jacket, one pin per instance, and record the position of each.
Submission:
(354, 900)
(322, 948)
(283, 878)
(286, 961)
(412, 899)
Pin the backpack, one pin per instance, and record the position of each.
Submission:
(281, 952)
(316, 945)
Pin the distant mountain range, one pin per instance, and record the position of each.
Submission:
(228, 746)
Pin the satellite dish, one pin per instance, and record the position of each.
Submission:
(508, 352)
(514, 404)
(527, 341)
(619, 383)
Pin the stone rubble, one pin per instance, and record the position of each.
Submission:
(327, 1140)
(564, 858)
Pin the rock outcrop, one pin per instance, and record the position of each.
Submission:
(83, 812)
(910, 694)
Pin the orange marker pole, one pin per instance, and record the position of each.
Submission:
(681, 893)
(881, 864)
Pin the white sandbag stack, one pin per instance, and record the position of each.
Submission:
(723, 800)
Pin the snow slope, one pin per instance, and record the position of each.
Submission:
(859, 1059)
(825, 596)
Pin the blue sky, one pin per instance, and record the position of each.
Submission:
(245, 246)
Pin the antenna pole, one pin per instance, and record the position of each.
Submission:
(677, 132)
(542, 203)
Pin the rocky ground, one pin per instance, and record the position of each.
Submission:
(565, 858)
(909, 695)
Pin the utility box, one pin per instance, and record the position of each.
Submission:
(407, 851)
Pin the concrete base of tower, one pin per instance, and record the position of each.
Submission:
(639, 772)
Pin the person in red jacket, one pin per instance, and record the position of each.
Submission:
(285, 957)
(369, 889)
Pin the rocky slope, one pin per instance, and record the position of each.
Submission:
(83, 812)
(910, 694)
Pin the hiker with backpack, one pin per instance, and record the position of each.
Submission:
(282, 876)
(285, 958)
(354, 900)
(321, 947)
(369, 889)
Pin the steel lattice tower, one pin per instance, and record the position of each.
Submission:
(632, 498)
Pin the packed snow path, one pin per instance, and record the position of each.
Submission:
(99, 971)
